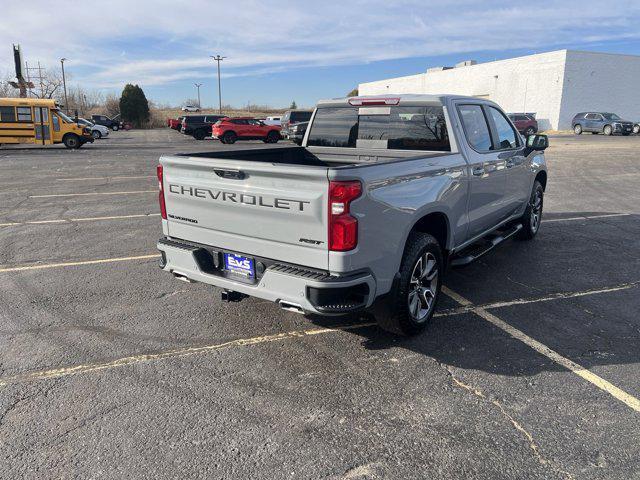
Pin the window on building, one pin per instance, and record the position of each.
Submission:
(507, 137)
(475, 127)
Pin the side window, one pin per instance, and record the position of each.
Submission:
(7, 114)
(475, 127)
(591, 116)
(56, 122)
(24, 114)
(507, 137)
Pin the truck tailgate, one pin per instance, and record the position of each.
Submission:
(254, 208)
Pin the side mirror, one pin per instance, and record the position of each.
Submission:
(537, 142)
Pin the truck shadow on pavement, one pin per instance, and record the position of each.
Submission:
(574, 257)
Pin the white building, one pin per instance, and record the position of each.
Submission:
(553, 85)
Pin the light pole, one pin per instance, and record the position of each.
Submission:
(198, 85)
(64, 83)
(218, 59)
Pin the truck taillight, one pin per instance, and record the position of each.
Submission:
(163, 206)
(343, 227)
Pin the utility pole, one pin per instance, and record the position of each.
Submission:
(64, 83)
(198, 85)
(218, 59)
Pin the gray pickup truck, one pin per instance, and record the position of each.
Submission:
(382, 196)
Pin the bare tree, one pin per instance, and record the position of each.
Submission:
(111, 105)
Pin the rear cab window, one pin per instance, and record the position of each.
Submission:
(395, 127)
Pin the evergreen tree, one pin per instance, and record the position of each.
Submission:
(353, 93)
(134, 106)
(293, 105)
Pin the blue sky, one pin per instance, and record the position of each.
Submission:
(283, 51)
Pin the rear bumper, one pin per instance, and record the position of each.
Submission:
(293, 287)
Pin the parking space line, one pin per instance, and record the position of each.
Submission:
(116, 177)
(547, 298)
(539, 347)
(92, 193)
(569, 219)
(181, 352)
(74, 264)
(81, 219)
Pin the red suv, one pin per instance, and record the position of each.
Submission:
(228, 130)
(525, 123)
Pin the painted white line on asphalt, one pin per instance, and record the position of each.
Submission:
(569, 219)
(78, 263)
(548, 298)
(82, 219)
(539, 347)
(181, 352)
(93, 193)
(117, 177)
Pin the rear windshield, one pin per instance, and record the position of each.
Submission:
(397, 127)
(300, 116)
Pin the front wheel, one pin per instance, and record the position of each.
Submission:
(96, 134)
(533, 214)
(636, 129)
(607, 130)
(417, 290)
(71, 140)
(577, 129)
(272, 137)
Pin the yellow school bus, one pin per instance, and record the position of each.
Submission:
(40, 122)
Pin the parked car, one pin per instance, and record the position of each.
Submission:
(273, 121)
(525, 123)
(291, 117)
(112, 123)
(229, 130)
(601, 122)
(175, 123)
(296, 132)
(199, 126)
(372, 207)
(97, 131)
(190, 108)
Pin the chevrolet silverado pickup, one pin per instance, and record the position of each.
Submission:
(381, 197)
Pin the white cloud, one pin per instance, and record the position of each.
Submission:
(159, 42)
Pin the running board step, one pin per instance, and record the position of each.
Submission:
(476, 250)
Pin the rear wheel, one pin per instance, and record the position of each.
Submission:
(229, 137)
(416, 293)
(607, 130)
(71, 140)
(199, 134)
(533, 213)
(636, 129)
(577, 129)
(115, 128)
(529, 131)
(272, 137)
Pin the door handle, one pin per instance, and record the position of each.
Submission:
(478, 171)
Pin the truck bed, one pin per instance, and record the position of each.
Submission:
(315, 156)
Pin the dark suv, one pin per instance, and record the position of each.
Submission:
(600, 122)
(524, 122)
(291, 117)
(199, 126)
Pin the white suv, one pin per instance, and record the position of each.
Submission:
(190, 108)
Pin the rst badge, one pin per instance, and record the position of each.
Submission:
(239, 264)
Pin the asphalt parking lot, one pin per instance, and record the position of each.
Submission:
(110, 368)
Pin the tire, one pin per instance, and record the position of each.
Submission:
(636, 129)
(272, 137)
(607, 130)
(71, 140)
(229, 138)
(577, 129)
(533, 214)
(199, 134)
(529, 131)
(417, 289)
(115, 128)
(96, 134)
